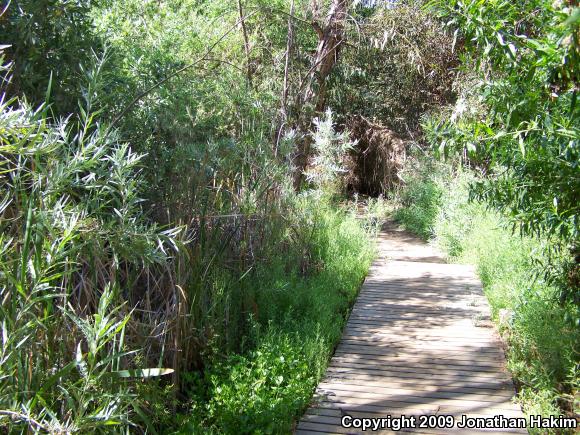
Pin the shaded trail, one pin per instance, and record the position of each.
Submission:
(419, 340)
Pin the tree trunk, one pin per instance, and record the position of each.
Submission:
(249, 67)
(330, 40)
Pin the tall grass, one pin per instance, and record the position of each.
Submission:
(95, 297)
(296, 306)
(71, 237)
(542, 334)
(297, 322)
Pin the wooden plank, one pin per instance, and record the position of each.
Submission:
(394, 332)
(450, 344)
(402, 373)
(422, 299)
(328, 420)
(438, 363)
(412, 380)
(421, 333)
(396, 358)
(376, 330)
(331, 410)
(420, 373)
(414, 408)
(414, 304)
(419, 288)
(389, 304)
(449, 348)
(423, 390)
(412, 355)
(461, 325)
(417, 318)
(385, 387)
(455, 350)
(315, 427)
(382, 288)
(394, 401)
(376, 309)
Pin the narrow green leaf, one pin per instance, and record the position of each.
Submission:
(142, 373)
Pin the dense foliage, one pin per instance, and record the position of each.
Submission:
(148, 213)
(297, 325)
(71, 230)
(401, 66)
(49, 40)
(517, 118)
(174, 249)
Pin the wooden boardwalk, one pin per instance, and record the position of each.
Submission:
(419, 341)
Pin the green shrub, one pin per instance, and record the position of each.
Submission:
(262, 391)
(420, 200)
(48, 41)
(401, 67)
(298, 321)
(517, 117)
(330, 149)
(69, 201)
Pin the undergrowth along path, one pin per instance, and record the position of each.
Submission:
(419, 341)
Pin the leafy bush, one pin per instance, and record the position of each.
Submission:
(263, 390)
(420, 200)
(48, 41)
(517, 118)
(330, 150)
(400, 66)
(72, 234)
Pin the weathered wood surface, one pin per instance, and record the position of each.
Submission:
(419, 341)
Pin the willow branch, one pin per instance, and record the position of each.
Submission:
(147, 91)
